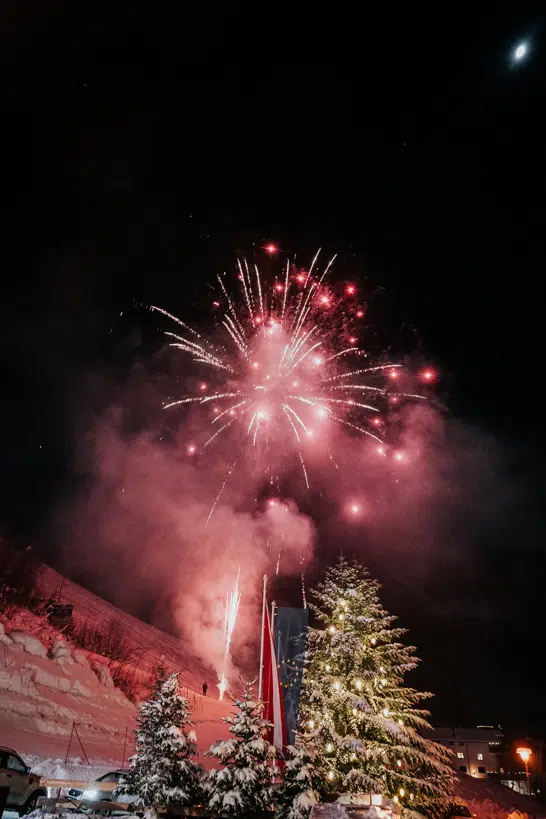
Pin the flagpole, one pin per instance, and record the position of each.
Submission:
(264, 603)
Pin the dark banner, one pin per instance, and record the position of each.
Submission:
(290, 634)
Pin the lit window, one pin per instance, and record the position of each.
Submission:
(480, 757)
(460, 755)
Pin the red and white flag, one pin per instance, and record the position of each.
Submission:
(271, 689)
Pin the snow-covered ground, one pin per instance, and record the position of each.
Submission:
(46, 686)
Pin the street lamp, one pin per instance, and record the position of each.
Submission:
(525, 755)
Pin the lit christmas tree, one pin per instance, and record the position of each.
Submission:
(163, 771)
(355, 709)
(245, 784)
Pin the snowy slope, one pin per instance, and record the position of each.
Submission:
(41, 695)
(156, 646)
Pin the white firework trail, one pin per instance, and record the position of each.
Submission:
(233, 600)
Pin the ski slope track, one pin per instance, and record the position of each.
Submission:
(47, 686)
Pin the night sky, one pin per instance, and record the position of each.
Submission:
(144, 145)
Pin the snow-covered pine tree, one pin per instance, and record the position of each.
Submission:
(301, 782)
(163, 770)
(244, 784)
(355, 709)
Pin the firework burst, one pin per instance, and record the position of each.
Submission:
(287, 367)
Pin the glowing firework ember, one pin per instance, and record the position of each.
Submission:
(283, 364)
(232, 607)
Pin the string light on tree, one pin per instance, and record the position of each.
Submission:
(357, 721)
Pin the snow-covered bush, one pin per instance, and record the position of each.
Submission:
(300, 780)
(245, 784)
(163, 772)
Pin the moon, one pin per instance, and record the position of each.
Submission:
(520, 52)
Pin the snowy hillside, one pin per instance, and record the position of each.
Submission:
(42, 696)
(156, 646)
(46, 685)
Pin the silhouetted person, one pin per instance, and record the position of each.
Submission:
(205, 688)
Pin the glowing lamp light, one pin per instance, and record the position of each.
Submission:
(359, 684)
(395, 799)
(383, 681)
(386, 712)
(373, 641)
(329, 747)
(355, 712)
(192, 449)
(337, 685)
(341, 616)
(271, 248)
(327, 667)
(402, 791)
(311, 723)
(332, 629)
(330, 775)
(399, 763)
(525, 755)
